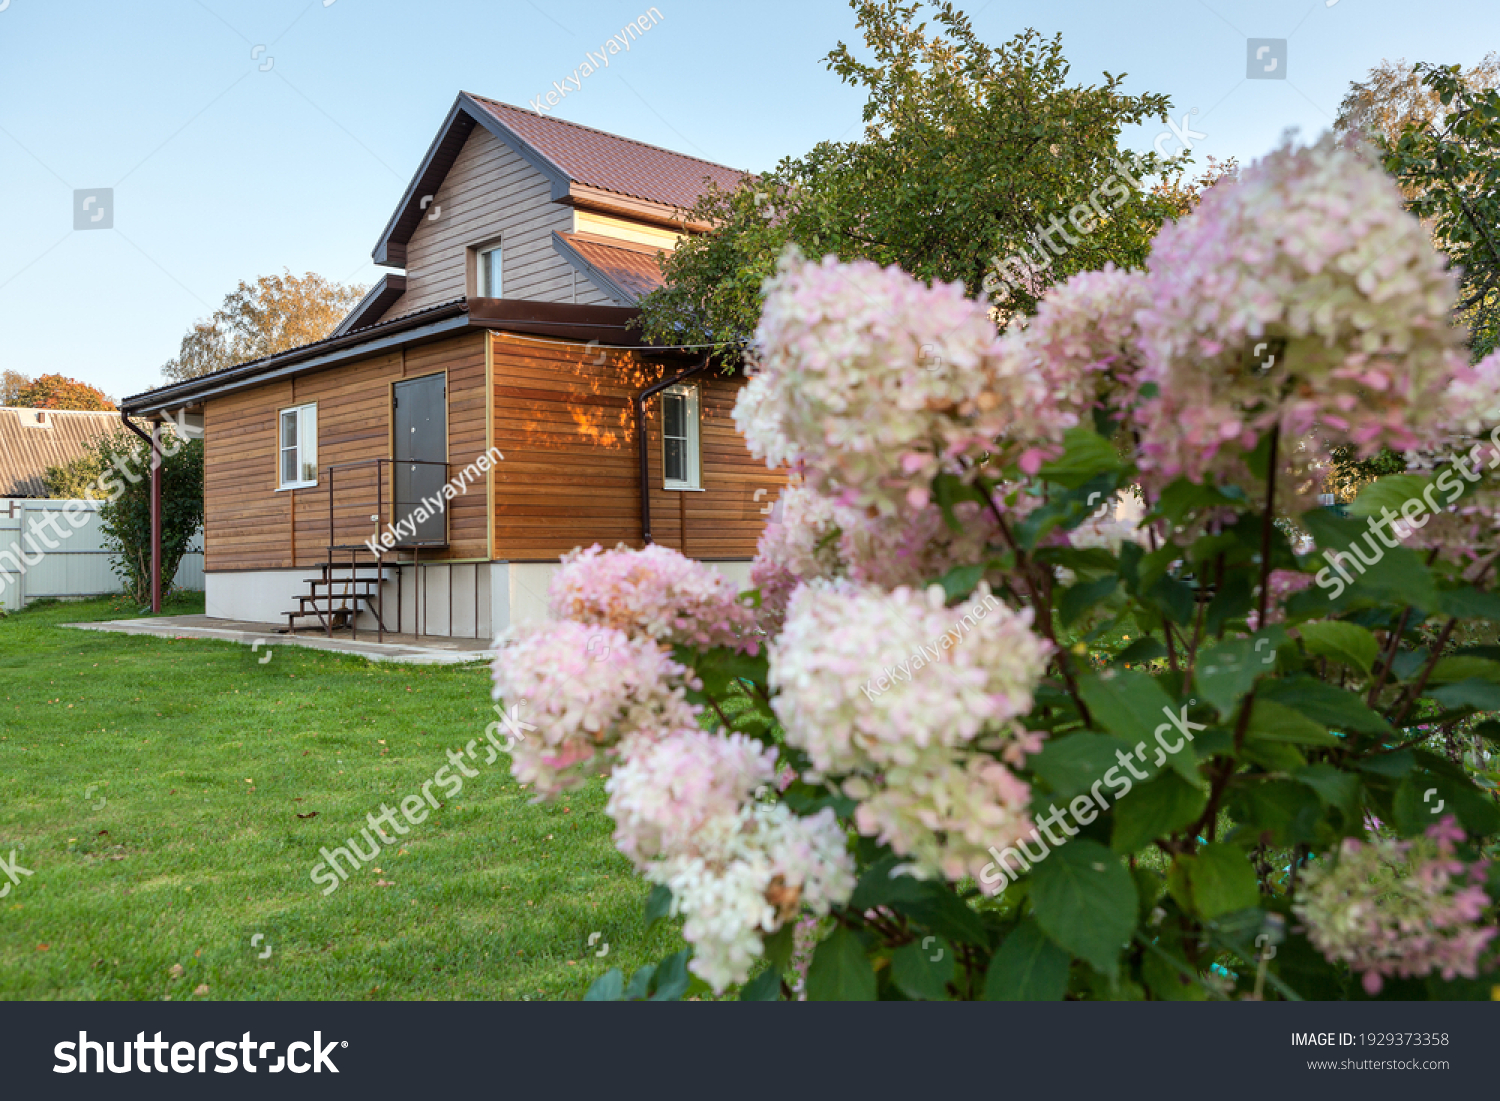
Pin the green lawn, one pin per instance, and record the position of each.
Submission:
(203, 762)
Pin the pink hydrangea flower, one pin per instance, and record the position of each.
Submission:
(656, 593)
(1392, 908)
(586, 689)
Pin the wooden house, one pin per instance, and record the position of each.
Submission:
(493, 374)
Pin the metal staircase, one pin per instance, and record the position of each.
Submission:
(336, 596)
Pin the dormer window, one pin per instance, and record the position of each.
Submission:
(488, 283)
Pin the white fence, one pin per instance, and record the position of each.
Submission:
(73, 562)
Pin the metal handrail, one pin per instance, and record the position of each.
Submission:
(354, 548)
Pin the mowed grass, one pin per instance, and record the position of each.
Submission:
(216, 781)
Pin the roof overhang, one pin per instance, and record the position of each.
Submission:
(606, 325)
(377, 300)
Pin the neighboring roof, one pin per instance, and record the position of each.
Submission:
(379, 298)
(609, 325)
(622, 268)
(608, 161)
(31, 440)
(568, 154)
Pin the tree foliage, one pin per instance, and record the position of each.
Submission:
(967, 151)
(273, 314)
(117, 468)
(51, 392)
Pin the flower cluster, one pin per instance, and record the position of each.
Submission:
(816, 538)
(908, 702)
(590, 688)
(1084, 341)
(1311, 251)
(877, 382)
(685, 812)
(1392, 908)
(657, 593)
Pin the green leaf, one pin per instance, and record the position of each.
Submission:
(840, 970)
(779, 946)
(608, 987)
(1157, 808)
(1086, 455)
(1323, 703)
(1083, 595)
(765, 987)
(1459, 667)
(1084, 900)
(1469, 603)
(1392, 491)
(1172, 598)
(1226, 670)
(1072, 763)
(658, 904)
(1334, 786)
(960, 581)
(923, 969)
(1341, 641)
(1027, 968)
(1132, 705)
(1232, 601)
(640, 984)
(1221, 880)
(1290, 812)
(1397, 575)
(1141, 651)
(1480, 694)
(672, 977)
(1271, 722)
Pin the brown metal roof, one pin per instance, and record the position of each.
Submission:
(630, 269)
(596, 159)
(31, 440)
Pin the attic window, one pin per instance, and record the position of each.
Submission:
(489, 280)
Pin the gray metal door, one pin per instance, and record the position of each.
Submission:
(421, 452)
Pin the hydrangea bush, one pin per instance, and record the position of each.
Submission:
(1055, 681)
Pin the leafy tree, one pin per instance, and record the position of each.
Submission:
(11, 385)
(968, 152)
(1394, 96)
(56, 392)
(117, 468)
(273, 314)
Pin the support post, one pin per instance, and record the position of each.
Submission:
(156, 479)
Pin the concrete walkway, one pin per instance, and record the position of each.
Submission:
(408, 649)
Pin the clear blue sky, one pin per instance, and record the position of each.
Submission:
(225, 167)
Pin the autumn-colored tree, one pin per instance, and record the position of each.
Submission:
(59, 392)
(273, 314)
(11, 385)
(1395, 96)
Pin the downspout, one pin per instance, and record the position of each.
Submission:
(154, 442)
(640, 436)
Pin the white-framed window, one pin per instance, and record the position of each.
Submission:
(681, 463)
(488, 282)
(298, 431)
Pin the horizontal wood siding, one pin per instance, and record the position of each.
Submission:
(250, 525)
(491, 192)
(564, 419)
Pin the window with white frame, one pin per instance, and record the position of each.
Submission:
(681, 464)
(299, 446)
(488, 283)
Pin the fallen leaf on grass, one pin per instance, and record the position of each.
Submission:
(202, 989)
(314, 814)
(43, 947)
(177, 971)
(383, 883)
